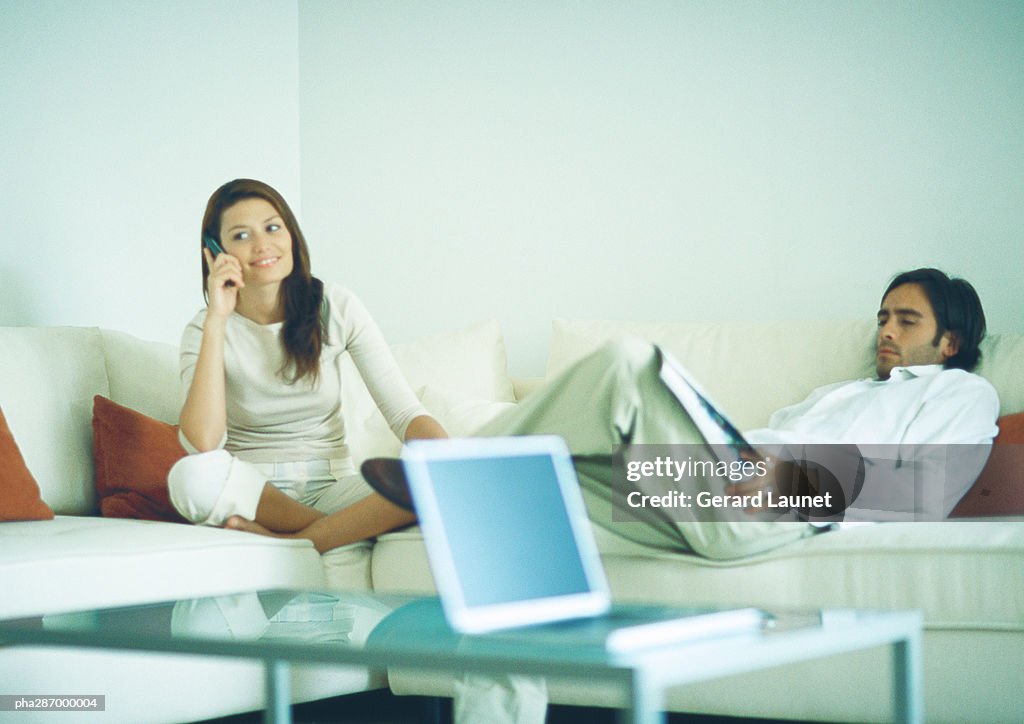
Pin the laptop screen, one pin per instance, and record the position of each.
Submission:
(507, 528)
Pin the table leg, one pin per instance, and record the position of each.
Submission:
(646, 704)
(907, 680)
(278, 692)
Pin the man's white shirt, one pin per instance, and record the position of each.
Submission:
(912, 418)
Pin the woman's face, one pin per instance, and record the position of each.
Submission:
(253, 232)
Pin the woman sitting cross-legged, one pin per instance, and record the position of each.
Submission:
(263, 417)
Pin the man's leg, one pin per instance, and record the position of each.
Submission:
(494, 699)
(613, 397)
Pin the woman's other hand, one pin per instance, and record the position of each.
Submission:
(424, 427)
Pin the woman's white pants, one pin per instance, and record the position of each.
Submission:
(208, 488)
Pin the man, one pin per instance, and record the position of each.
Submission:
(925, 411)
(924, 400)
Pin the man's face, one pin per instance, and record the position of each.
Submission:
(906, 332)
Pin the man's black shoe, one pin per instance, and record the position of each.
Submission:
(387, 477)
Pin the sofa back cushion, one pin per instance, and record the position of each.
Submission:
(753, 369)
(143, 375)
(48, 376)
(750, 369)
(467, 366)
(1002, 364)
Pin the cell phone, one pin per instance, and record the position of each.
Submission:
(215, 249)
(212, 245)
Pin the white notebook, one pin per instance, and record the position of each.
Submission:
(510, 545)
(727, 441)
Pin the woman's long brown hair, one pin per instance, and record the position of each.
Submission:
(302, 294)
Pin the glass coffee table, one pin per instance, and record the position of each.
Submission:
(380, 631)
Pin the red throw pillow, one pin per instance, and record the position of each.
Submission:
(133, 454)
(19, 492)
(1011, 430)
(999, 490)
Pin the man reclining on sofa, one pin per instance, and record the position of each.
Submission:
(929, 330)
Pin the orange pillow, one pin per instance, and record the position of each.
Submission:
(133, 454)
(19, 492)
(1011, 430)
(999, 490)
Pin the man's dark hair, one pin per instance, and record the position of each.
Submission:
(957, 309)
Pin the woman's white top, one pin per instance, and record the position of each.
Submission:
(270, 419)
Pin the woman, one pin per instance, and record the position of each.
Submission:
(262, 416)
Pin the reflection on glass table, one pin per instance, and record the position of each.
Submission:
(390, 631)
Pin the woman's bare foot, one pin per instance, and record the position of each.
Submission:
(237, 522)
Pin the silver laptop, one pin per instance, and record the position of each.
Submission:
(510, 545)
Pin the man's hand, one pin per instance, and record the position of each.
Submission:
(821, 484)
(776, 471)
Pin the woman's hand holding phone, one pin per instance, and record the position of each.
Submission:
(223, 283)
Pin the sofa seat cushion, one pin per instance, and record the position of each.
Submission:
(75, 562)
(964, 575)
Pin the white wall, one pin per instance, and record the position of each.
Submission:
(467, 160)
(658, 160)
(117, 121)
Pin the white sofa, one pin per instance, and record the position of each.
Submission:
(967, 577)
(48, 378)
